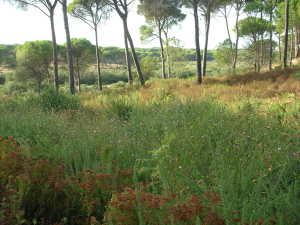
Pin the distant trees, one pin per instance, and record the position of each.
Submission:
(224, 53)
(83, 55)
(8, 55)
(92, 12)
(225, 7)
(160, 16)
(47, 7)
(254, 28)
(33, 61)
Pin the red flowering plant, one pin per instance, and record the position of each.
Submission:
(130, 207)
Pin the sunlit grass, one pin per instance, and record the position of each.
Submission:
(235, 139)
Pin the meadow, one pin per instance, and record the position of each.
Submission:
(172, 153)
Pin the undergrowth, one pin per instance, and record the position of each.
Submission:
(156, 156)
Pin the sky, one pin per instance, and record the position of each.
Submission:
(18, 26)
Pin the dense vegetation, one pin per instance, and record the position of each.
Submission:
(173, 153)
(149, 145)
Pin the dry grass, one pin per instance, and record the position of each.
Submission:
(230, 88)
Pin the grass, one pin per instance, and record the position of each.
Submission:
(226, 152)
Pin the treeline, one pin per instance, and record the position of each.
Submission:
(264, 20)
(109, 55)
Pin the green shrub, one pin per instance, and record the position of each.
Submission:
(119, 84)
(50, 100)
(121, 108)
(15, 88)
(108, 77)
(2, 79)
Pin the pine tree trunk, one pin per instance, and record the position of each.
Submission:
(207, 23)
(78, 75)
(296, 43)
(291, 47)
(127, 56)
(237, 38)
(168, 54)
(229, 36)
(197, 43)
(162, 54)
(98, 60)
(54, 50)
(69, 48)
(286, 35)
(279, 47)
(134, 55)
(271, 41)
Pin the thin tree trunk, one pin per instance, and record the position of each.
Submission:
(261, 50)
(78, 75)
(134, 55)
(168, 54)
(279, 46)
(271, 41)
(291, 48)
(256, 54)
(286, 35)
(296, 42)
(197, 43)
(98, 59)
(127, 56)
(162, 53)
(228, 33)
(69, 49)
(237, 38)
(54, 50)
(207, 23)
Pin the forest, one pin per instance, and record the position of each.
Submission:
(164, 135)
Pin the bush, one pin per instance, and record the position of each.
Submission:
(121, 108)
(119, 84)
(37, 191)
(108, 77)
(2, 79)
(50, 100)
(15, 88)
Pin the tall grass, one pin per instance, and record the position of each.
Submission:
(245, 154)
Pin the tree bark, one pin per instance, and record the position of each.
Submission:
(98, 60)
(237, 37)
(296, 41)
(291, 47)
(271, 41)
(54, 50)
(279, 47)
(134, 55)
(78, 75)
(228, 33)
(261, 50)
(162, 54)
(123, 16)
(207, 26)
(286, 35)
(127, 56)
(197, 43)
(69, 48)
(168, 53)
